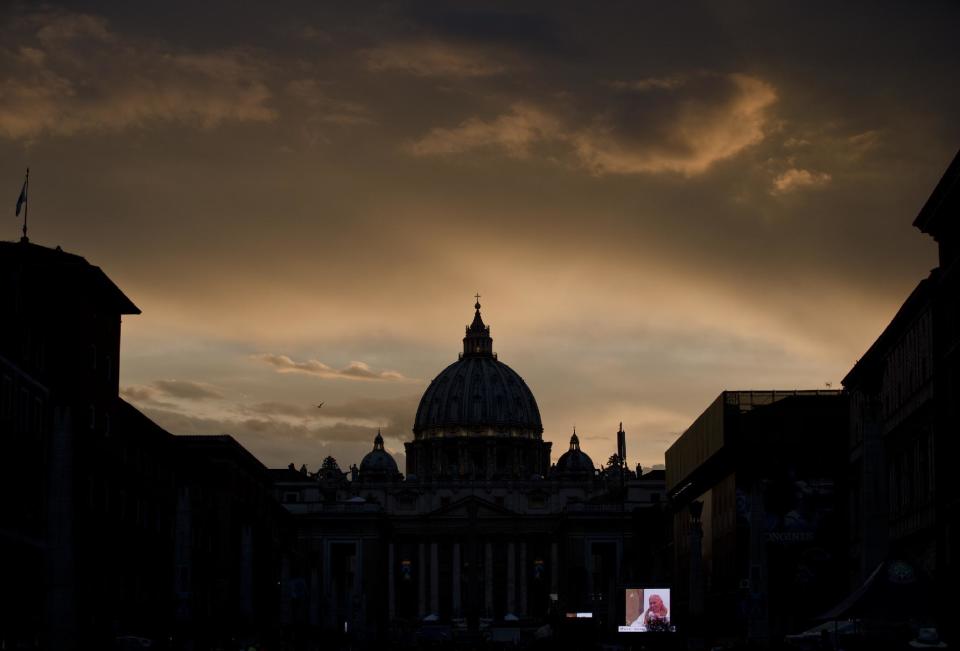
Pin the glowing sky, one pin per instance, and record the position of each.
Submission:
(657, 201)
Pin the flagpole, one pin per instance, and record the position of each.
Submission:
(26, 204)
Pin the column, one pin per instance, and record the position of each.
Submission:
(358, 599)
(523, 579)
(328, 606)
(511, 578)
(434, 579)
(422, 580)
(391, 587)
(314, 597)
(488, 580)
(456, 579)
(285, 607)
(554, 568)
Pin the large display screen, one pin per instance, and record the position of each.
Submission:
(647, 611)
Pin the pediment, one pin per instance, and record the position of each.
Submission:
(470, 505)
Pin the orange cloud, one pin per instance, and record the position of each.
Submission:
(688, 136)
(352, 371)
(795, 178)
(514, 132)
(700, 134)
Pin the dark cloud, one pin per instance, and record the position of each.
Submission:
(487, 24)
(65, 73)
(187, 389)
(393, 415)
(146, 397)
(277, 442)
(159, 389)
(139, 394)
(325, 108)
(433, 59)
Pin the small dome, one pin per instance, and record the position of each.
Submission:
(574, 461)
(378, 464)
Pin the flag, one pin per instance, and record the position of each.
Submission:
(22, 198)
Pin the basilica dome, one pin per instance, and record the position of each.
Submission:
(478, 395)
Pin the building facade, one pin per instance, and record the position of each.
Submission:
(904, 420)
(103, 510)
(756, 487)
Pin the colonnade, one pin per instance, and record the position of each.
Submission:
(515, 574)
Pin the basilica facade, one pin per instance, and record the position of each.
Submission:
(481, 532)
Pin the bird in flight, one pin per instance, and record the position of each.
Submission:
(320, 405)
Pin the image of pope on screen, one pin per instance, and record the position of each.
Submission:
(647, 610)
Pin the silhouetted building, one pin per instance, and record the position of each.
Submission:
(482, 533)
(230, 545)
(59, 357)
(905, 420)
(103, 510)
(115, 528)
(755, 485)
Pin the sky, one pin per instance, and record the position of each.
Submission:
(656, 201)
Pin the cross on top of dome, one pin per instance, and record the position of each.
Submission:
(477, 342)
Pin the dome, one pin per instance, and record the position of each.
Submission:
(574, 460)
(378, 463)
(478, 394)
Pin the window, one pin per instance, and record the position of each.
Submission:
(93, 417)
(93, 356)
